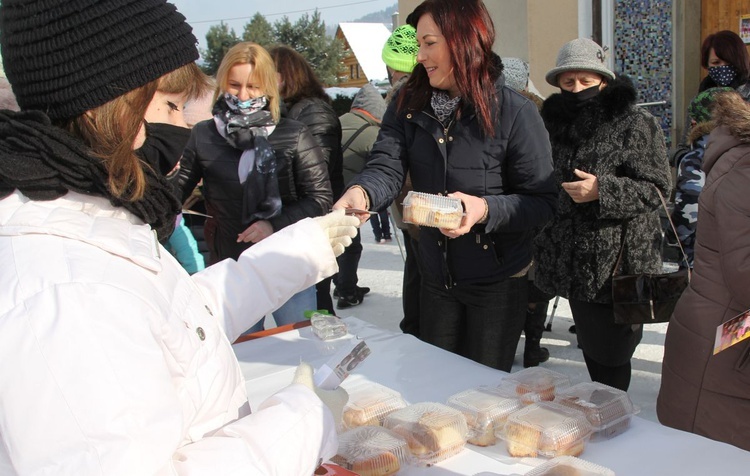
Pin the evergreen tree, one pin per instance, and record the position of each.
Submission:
(218, 40)
(307, 35)
(259, 30)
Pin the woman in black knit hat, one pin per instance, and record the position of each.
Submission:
(116, 361)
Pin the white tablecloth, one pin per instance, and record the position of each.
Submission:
(421, 372)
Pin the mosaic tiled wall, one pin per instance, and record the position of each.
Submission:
(643, 51)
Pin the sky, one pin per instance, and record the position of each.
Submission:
(202, 14)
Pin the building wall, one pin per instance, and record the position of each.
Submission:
(643, 51)
(551, 25)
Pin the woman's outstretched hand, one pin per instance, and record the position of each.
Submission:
(354, 199)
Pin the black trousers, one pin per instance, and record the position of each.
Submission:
(346, 279)
(411, 288)
(480, 322)
(607, 347)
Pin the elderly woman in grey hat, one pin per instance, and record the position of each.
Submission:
(611, 164)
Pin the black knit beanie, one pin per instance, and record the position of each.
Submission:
(65, 57)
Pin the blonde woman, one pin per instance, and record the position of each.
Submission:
(261, 171)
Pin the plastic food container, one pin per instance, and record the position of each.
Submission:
(485, 409)
(433, 431)
(327, 327)
(569, 465)
(535, 384)
(372, 451)
(432, 210)
(608, 409)
(368, 404)
(546, 429)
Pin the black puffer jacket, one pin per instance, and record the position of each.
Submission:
(303, 181)
(623, 146)
(512, 171)
(324, 125)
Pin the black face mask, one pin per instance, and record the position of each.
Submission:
(581, 98)
(163, 146)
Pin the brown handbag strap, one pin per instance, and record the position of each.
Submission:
(674, 229)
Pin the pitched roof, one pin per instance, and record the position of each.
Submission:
(366, 41)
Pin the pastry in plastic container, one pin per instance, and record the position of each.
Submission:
(433, 431)
(368, 404)
(608, 409)
(372, 451)
(535, 384)
(546, 429)
(569, 466)
(432, 210)
(485, 409)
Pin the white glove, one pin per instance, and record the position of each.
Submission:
(340, 229)
(333, 399)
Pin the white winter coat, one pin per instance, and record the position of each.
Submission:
(116, 362)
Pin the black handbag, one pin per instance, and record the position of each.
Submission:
(648, 298)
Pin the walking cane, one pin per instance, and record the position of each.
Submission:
(548, 327)
(395, 235)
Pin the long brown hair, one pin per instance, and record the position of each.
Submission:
(264, 72)
(110, 130)
(470, 34)
(298, 78)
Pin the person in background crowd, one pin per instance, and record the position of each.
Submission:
(359, 128)
(307, 102)
(400, 56)
(611, 165)
(486, 146)
(516, 74)
(725, 57)
(690, 175)
(121, 361)
(381, 227)
(261, 171)
(702, 392)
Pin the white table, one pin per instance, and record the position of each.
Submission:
(421, 372)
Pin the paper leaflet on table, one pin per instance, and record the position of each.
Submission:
(333, 372)
(733, 331)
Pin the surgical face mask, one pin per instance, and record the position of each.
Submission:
(581, 98)
(722, 75)
(163, 146)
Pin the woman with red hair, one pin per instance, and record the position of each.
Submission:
(460, 131)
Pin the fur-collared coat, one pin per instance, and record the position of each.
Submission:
(623, 145)
(700, 392)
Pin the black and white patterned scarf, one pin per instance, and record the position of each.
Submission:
(245, 125)
(443, 105)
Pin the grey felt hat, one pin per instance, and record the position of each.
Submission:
(580, 54)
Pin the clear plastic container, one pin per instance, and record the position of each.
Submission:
(485, 409)
(535, 384)
(432, 210)
(368, 404)
(546, 429)
(327, 327)
(608, 409)
(372, 451)
(433, 431)
(569, 465)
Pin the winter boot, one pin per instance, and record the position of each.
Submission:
(533, 353)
